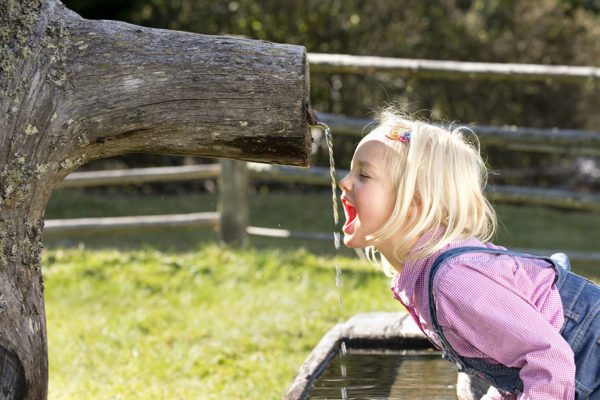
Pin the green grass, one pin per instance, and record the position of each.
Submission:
(210, 324)
(173, 315)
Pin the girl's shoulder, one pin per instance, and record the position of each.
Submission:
(472, 258)
(477, 269)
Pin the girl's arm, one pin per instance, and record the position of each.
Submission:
(484, 316)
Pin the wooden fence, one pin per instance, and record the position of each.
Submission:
(312, 176)
(232, 216)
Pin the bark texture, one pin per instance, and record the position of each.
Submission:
(73, 90)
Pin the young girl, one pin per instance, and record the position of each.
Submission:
(524, 324)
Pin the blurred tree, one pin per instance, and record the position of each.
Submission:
(106, 9)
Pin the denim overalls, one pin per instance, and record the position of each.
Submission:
(581, 328)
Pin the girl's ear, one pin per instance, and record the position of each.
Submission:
(415, 207)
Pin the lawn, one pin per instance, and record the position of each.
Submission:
(214, 323)
(174, 315)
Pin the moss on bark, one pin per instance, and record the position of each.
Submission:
(17, 20)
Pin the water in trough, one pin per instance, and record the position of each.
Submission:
(414, 374)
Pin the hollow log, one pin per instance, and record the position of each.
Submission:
(73, 90)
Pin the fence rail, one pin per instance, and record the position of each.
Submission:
(134, 176)
(315, 176)
(343, 63)
(566, 141)
(266, 172)
(79, 226)
(83, 226)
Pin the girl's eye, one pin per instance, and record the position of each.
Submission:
(364, 176)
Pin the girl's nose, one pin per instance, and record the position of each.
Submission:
(345, 183)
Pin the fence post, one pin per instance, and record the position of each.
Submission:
(233, 202)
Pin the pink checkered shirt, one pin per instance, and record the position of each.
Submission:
(499, 308)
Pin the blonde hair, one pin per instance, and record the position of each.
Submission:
(439, 177)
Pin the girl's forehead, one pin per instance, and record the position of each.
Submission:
(378, 134)
(370, 151)
(375, 139)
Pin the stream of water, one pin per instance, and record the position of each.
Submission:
(336, 242)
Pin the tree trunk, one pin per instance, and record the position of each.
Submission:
(74, 90)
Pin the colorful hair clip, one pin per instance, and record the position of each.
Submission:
(402, 137)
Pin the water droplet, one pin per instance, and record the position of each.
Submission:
(344, 394)
(336, 240)
(343, 348)
(338, 275)
(343, 370)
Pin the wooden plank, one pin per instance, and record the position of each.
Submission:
(320, 176)
(499, 193)
(134, 176)
(284, 233)
(463, 70)
(546, 197)
(257, 171)
(77, 226)
(279, 173)
(509, 137)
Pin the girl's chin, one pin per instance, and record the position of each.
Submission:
(348, 228)
(347, 241)
(352, 242)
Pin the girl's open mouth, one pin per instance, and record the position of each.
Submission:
(350, 212)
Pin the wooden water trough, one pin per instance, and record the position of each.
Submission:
(376, 332)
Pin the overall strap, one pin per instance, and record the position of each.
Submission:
(449, 351)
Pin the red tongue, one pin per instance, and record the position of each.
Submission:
(350, 214)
